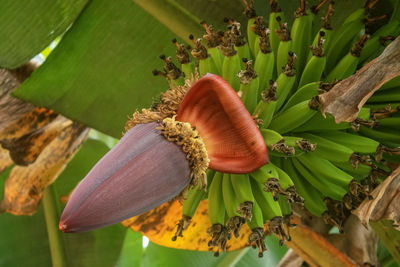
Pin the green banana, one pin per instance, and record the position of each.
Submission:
(328, 149)
(231, 202)
(373, 44)
(348, 64)
(284, 47)
(389, 95)
(316, 65)
(362, 170)
(213, 39)
(386, 136)
(190, 204)
(318, 122)
(291, 146)
(230, 69)
(313, 199)
(216, 210)
(393, 83)
(216, 207)
(323, 184)
(325, 168)
(265, 62)
(327, 28)
(274, 25)
(393, 122)
(343, 37)
(301, 34)
(242, 187)
(267, 105)
(286, 81)
(305, 92)
(270, 136)
(256, 224)
(269, 207)
(294, 116)
(357, 143)
(249, 84)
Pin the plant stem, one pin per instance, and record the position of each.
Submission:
(174, 16)
(55, 239)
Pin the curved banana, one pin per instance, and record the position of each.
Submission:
(295, 116)
(242, 187)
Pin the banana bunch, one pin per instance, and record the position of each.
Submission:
(318, 165)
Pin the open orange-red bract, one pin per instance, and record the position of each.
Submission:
(232, 138)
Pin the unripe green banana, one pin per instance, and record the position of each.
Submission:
(318, 122)
(361, 171)
(313, 199)
(326, 27)
(231, 202)
(251, 36)
(291, 146)
(393, 83)
(301, 35)
(328, 149)
(270, 136)
(217, 58)
(269, 207)
(266, 107)
(305, 92)
(242, 187)
(323, 184)
(256, 238)
(216, 207)
(373, 44)
(324, 168)
(264, 173)
(386, 136)
(265, 62)
(286, 81)
(389, 95)
(249, 84)
(355, 142)
(256, 220)
(316, 65)
(230, 70)
(190, 204)
(285, 206)
(343, 37)
(274, 25)
(346, 67)
(295, 116)
(284, 47)
(393, 122)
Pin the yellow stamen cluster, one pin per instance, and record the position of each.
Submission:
(186, 136)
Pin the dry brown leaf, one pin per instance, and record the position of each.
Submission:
(345, 99)
(385, 204)
(358, 242)
(314, 248)
(24, 186)
(11, 108)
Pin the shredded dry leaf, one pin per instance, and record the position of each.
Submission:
(159, 226)
(345, 99)
(25, 185)
(385, 204)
